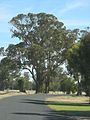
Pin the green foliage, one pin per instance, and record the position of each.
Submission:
(7, 70)
(54, 86)
(42, 51)
(72, 57)
(2, 51)
(45, 41)
(23, 84)
(78, 58)
(85, 62)
(68, 85)
(85, 55)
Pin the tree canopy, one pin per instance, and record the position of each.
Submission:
(45, 45)
(45, 41)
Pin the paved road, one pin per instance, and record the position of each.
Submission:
(29, 107)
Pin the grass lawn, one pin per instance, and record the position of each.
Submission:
(69, 107)
(69, 103)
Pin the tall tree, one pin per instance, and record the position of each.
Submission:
(45, 41)
(74, 65)
(85, 61)
(74, 59)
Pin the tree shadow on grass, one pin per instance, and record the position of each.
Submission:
(70, 114)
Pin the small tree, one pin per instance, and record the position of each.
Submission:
(68, 85)
(23, 84)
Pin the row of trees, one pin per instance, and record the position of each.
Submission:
(45, 45)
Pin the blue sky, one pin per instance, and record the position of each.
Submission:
(73, 13)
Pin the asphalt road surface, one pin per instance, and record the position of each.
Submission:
(29, 107)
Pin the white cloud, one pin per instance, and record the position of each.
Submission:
(71, 5)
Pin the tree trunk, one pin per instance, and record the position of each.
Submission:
(47, 86)
(89, 90)
(79, 90)
(39, 87)
(2, 85)
(89, 93)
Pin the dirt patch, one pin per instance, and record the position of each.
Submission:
(4, 94)
(71, 99)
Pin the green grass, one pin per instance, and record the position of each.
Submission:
(75, 107)
(69, 106)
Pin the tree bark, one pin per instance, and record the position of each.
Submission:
(79, 91)
(47, 85)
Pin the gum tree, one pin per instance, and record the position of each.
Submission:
(45, 41)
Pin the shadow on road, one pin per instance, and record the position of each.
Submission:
(32, 101)
(69, 115)
(56, 115)
(43, 102)
(61, 115)
(46, 116)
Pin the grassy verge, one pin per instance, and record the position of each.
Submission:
(69, 103)
(69, 107)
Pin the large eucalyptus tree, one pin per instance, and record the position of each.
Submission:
(45, 41)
